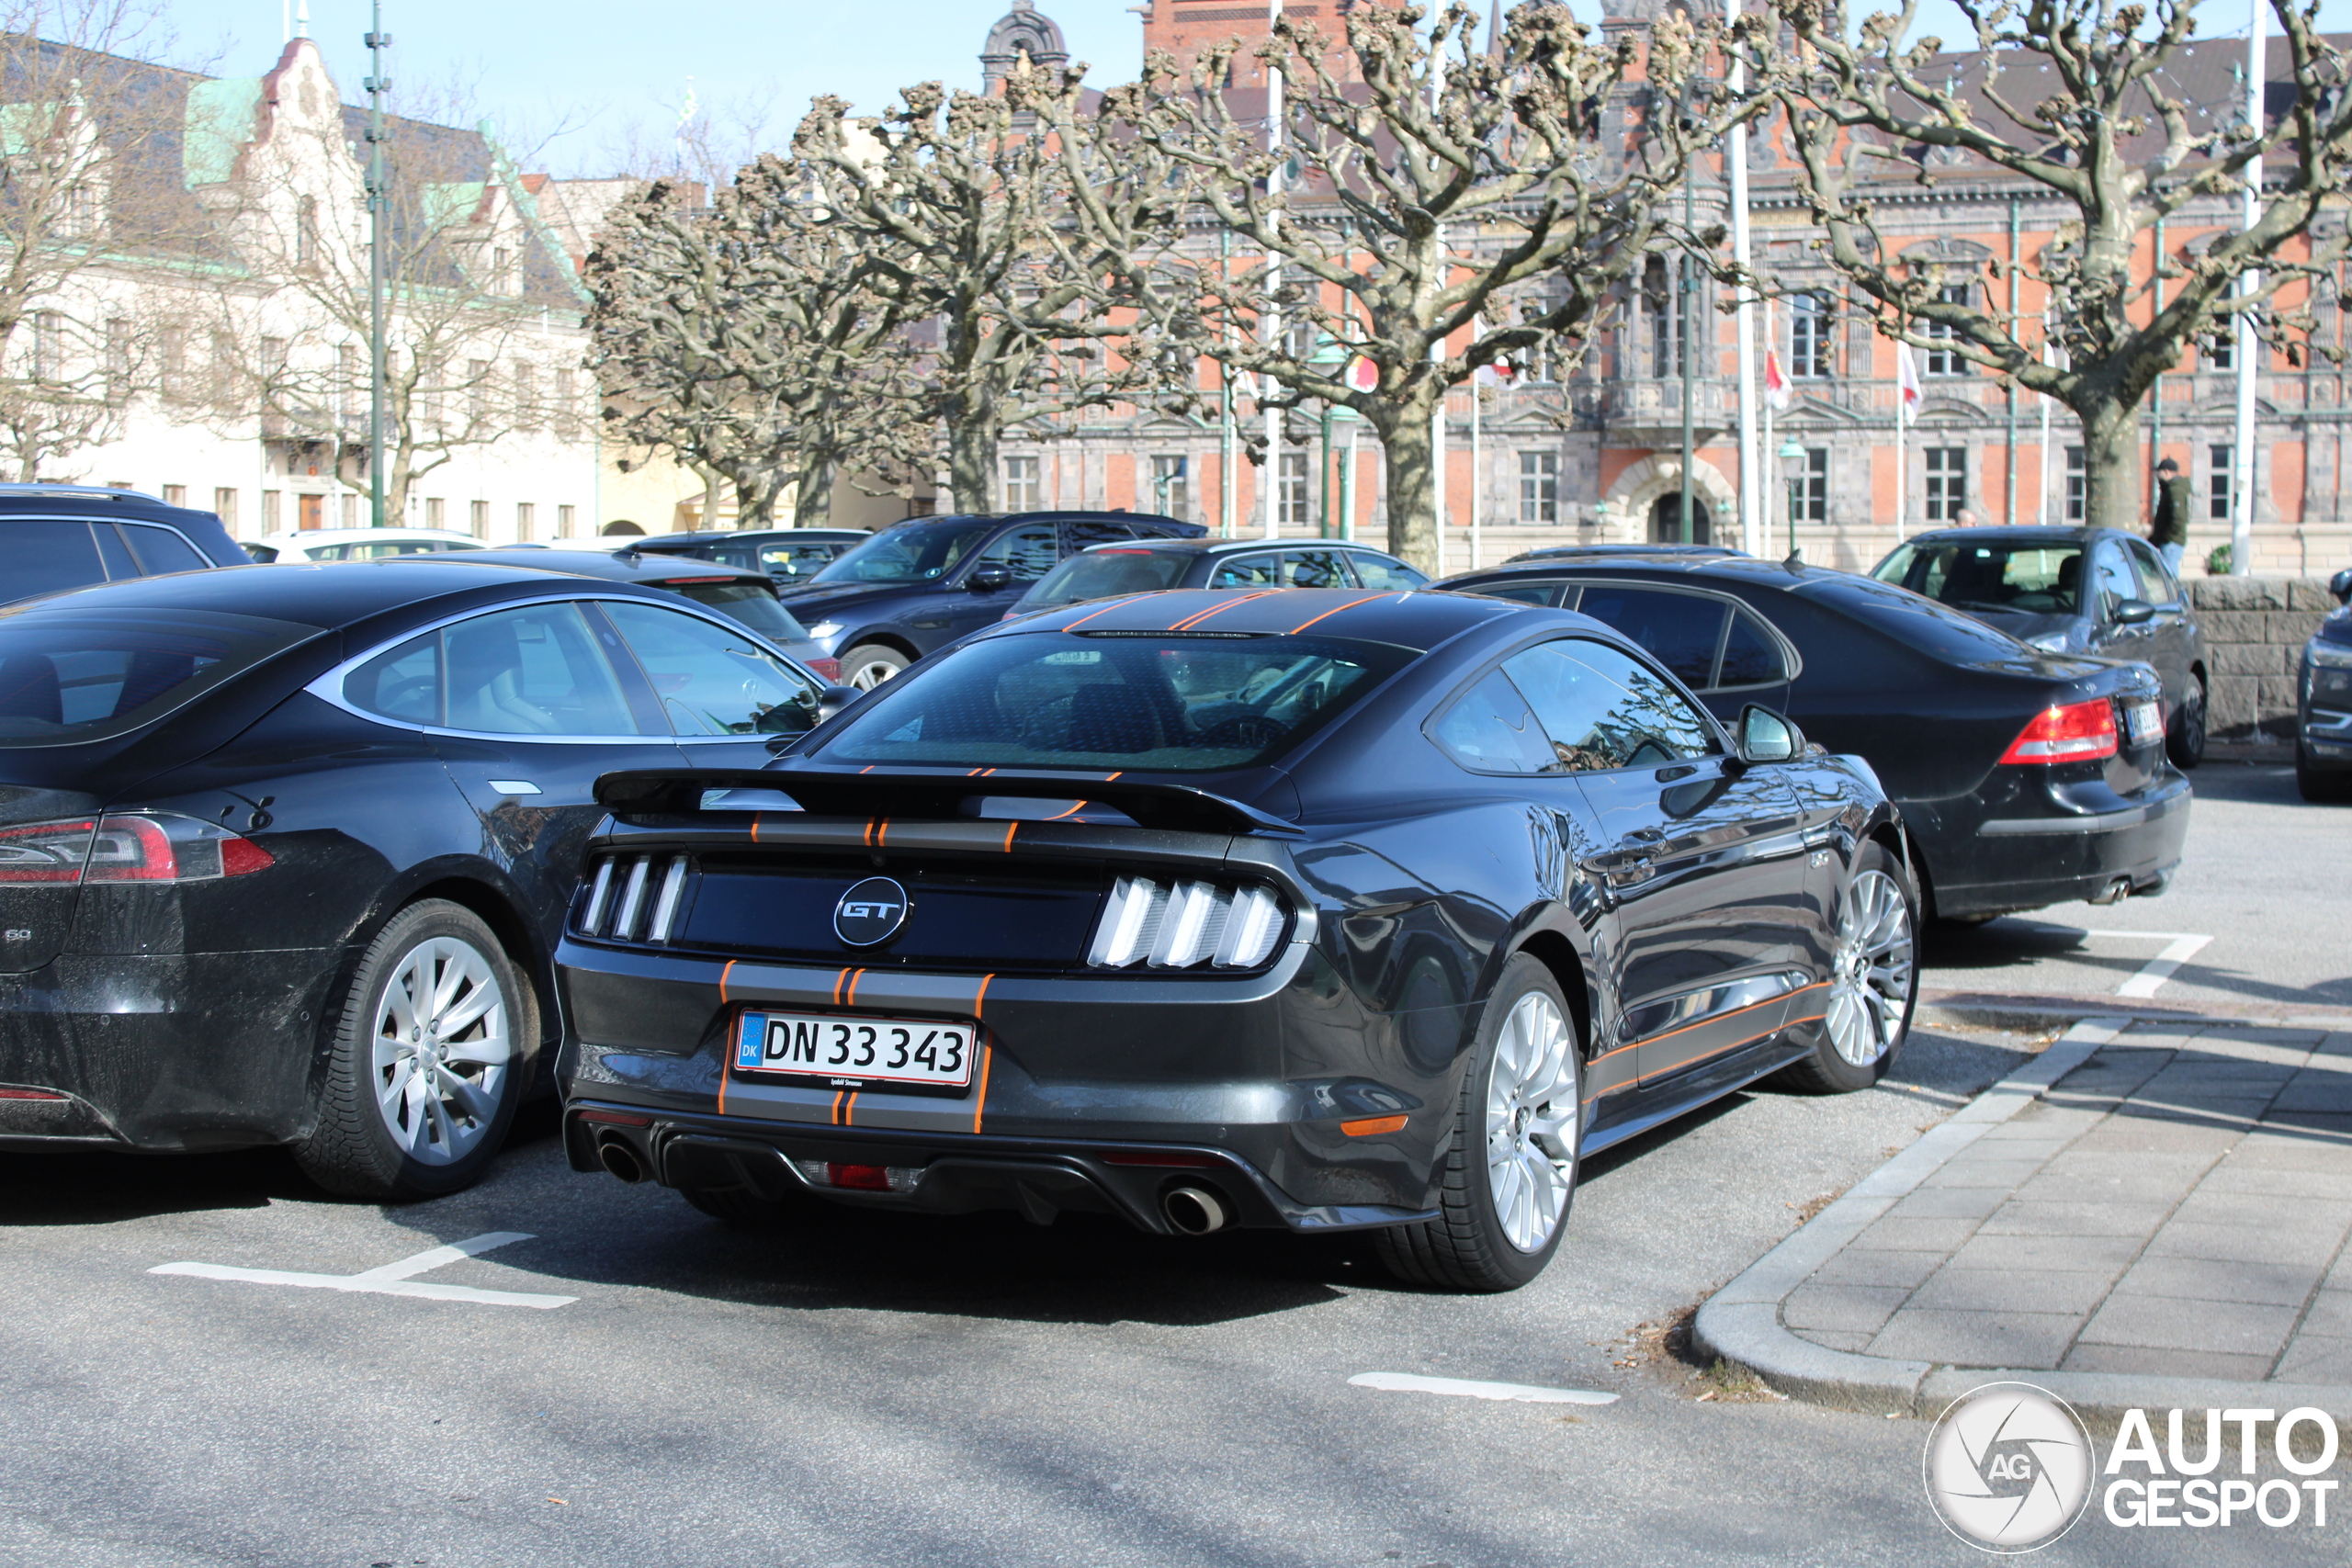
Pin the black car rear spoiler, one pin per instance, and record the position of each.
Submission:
(938, 797)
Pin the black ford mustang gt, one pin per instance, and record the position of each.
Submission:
(1309, 909)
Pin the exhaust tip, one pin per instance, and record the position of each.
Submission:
(2114, 893)
(618, 1157)
(1194, 1210)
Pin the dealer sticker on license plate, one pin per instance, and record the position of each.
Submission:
(848, 1046)
(2144, 721)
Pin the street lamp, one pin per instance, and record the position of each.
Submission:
(1794, 465)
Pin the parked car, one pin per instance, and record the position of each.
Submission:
(2025, 777)
(783, 554)
(741, 593)
(1569, 552)
(2072, 591)
(284, 854)
(1147, 566)
(2324, 705)
(1311, 910)
(300, 546)
(60, 536)
(914, 589)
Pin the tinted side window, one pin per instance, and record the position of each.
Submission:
(1313, 568)
(1682, 631)
(2156, 585)
(1385, 572)
(163, 550)
(1030, 551)
(45, 554)
(120, 564)
(1525, 592)
(1247, 571)
(1603, 710)
(533, 671)
(794, 561)
(403, 684)
(711, 682)
(1751, 658)
(2114, 581)
(1079, 533)
(1490, 730)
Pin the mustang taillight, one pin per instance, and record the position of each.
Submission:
(1176, 925)
(634, 898)
(2076, 732)
(148, 847)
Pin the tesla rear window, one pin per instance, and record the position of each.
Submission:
(752, 603)
(1103, 574)
(1158, 704)
(73, 676)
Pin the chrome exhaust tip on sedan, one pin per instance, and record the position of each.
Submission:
(1194, 1210)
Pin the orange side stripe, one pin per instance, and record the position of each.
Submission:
(722, 979)
(838, 981)
(1371, 1125)
(837, 1105)
(1010, 829)
(1349, 605)
(982, 995)
(882, 835)
(1718, 1017)
(727, 1041)
(867, 769)
(1055, 818)
(869, 833)
(755, 826)
(850, 998)
(987, 1056)
(1111, 777)
(1219, 608)
(849, 1111)
(1134, 599)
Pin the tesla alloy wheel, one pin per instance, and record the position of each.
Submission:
(1874, 979)
(1510, 1169)
(427, 1069)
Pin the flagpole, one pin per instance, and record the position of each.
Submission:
(1437, 349)
(1902, 431)
(2248, 344)
(1477, 465)
(1751, 472)
(1771, 453)
(2041, 515)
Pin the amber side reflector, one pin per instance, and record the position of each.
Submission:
(1372, 1126)
(616, 1118)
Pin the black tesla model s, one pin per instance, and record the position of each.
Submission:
(1311, 909)
(285, 851)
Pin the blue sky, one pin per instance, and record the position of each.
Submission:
(577, 82)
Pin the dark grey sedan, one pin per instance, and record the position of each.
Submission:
(2072, 591)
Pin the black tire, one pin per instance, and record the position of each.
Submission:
(1827, 1069)
(1467, 1246)
(2185, 742)
(2322, 787)
(746, 1210)
(352, 1150)
(869, 665)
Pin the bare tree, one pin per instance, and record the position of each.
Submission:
(758, 338)
(1497, 198)
(2105, 135)
(1026, 308)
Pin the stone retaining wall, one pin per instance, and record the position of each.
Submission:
(2254, 631)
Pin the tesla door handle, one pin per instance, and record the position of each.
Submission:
(514, 786)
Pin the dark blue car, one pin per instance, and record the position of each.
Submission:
(912, 590)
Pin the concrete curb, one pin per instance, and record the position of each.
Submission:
(1741, 1323)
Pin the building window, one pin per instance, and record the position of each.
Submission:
(48, 345)
(567, 391)
(565, 520)
(268, 511)
(2218, 351)
(1662, 304)
(118, 352)
(479, 517)
(1809, 335)
(351, 512)
(2221, 486)
(1293, 493)
(436, 512)
(224, 506)
(1947, 483)
(1539, 487)
(477, 392)
(306, 231)
(350, 387)
(1813, 489)
(2078, 486)
(1024, 486)
(526, 395)
(524, 514)
(1171, 488)
(1947, 361)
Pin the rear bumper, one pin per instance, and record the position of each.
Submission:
(183, 1052)
(2001, 863)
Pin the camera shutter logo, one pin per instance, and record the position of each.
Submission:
(871, 913)
(2009, 1467)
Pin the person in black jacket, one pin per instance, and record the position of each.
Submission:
(2170, 532)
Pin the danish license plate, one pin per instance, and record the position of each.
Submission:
(2145, 722)
(849, 1046)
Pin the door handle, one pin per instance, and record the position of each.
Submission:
(1643, 839)
(514, 786)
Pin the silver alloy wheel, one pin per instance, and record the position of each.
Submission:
(1530, 1116)
(442, 1049)
(870, 674)
(1870, 976)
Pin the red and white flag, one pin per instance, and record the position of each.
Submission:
(1776, 384)
(1907, 379)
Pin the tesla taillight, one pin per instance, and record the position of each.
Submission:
(146, 847)
(2076, 732)
(1175, 925)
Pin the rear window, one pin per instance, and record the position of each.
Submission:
(47, 554)
(1916, 621)
(1103, 574)
(2027, 579)
(1156, 704)
(748, 604)
(1682, 631)
(72, 676)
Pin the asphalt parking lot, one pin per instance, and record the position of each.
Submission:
(661, 1389)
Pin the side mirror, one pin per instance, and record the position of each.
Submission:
(1767, 737)
(833, 699)
(989, 576)
(2340, 586)
(2134, 612)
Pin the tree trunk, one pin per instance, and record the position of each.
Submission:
(813, 507)
(971, 462)
(2112, 488)
(1411, 476)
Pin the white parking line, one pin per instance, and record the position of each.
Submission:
(1408, 1382)
(2179, 948)
(392, 1279)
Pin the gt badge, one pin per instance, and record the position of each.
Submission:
(870, 913)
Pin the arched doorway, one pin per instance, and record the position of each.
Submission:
(621, 527)
(1666, 516)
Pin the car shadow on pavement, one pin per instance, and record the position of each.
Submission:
(102, 1187)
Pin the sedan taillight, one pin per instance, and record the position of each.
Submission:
(156, 847)
(2076, 732)
(1176, 925)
